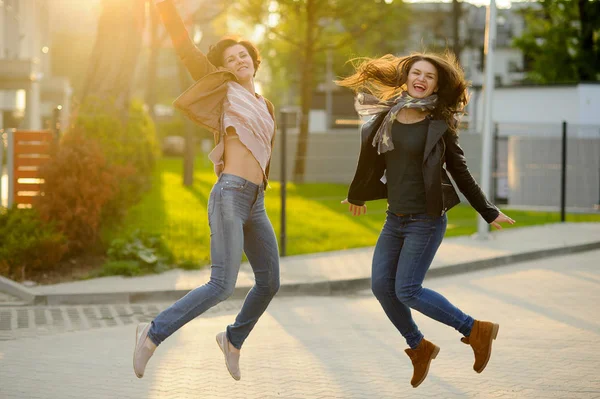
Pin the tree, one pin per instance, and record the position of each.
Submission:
(299, 33)
(562, 41)
(159, 37)
(456, 14)
(589, 50)
(200, 18)
(122, 128)
(115, 54)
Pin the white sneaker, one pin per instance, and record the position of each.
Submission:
(144, 349)
(232, 360)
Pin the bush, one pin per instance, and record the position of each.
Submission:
(128, 268)
(126, 140)
(189, 264)
(28, 244)
(78, 185)
(148, 250)
(140, 143)
(174, 126)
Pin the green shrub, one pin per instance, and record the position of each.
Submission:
(128, 268)
(141, 147)
(174, 126)
(79, 183)
(189, 265)
(126, 140)
(148, 250)
(28, 244)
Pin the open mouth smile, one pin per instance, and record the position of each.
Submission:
(419, 87)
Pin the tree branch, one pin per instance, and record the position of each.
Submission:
(271, 29)
(195, 17)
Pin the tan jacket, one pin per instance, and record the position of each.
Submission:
(203, 101)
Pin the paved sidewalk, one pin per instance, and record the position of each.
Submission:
(342, 347)
(340, 271)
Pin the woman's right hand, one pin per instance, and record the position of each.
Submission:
(356, 210)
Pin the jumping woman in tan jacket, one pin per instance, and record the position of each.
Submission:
(223, 100)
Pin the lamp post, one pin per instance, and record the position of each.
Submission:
(287, 119)
(488, 92)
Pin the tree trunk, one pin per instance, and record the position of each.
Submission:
(456, 13)
(188, 152)
(114, 57)
(589, 14)
(155, 43)
(306, 84)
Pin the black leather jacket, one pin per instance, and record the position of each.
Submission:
(441, 147)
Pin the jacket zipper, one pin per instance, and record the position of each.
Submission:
(443, 148)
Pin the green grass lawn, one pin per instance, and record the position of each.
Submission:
(315, 218)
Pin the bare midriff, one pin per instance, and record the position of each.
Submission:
(238, 159)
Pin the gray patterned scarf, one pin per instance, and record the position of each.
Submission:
(368, 104)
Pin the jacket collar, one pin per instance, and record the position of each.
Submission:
(437, 128)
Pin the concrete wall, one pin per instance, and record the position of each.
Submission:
(331, 157)
(589, 104)
(550, 105)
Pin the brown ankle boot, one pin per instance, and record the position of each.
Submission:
(421, 358)
(482, 335)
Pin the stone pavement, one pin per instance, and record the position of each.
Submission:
(340, 347)
(337, 271)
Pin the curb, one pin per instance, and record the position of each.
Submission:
(17, 290)
(333, 287)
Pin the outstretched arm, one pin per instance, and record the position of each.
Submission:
(457, 166)
(194, 60)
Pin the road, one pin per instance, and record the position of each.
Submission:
(325, 347)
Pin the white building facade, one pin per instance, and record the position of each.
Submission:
(28, 92)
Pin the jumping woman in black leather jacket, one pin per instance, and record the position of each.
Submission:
(415, 101)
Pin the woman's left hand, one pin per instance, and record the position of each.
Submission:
(502, 218)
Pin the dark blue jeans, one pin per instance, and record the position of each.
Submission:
(238, 221)
(403, 254)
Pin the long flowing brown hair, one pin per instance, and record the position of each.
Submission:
(386, 77)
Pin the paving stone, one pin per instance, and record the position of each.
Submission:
(325, 347)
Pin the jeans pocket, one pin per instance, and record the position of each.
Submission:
(230, 185)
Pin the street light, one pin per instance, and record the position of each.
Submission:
(288, 118)
(488, 92)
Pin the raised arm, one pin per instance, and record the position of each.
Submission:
(194, 60)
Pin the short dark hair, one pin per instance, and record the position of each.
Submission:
(215, 52)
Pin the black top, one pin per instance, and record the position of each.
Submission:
(441, 148)
(404, 168)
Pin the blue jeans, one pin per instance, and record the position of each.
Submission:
(238, 221)
(403, 254)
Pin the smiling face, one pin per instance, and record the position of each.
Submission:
(237, 59)
(422, 79)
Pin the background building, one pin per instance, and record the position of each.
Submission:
(28, 91)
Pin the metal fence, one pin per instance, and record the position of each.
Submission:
(547, 167)
(527, 169)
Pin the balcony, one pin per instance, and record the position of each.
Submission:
(17, 74)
